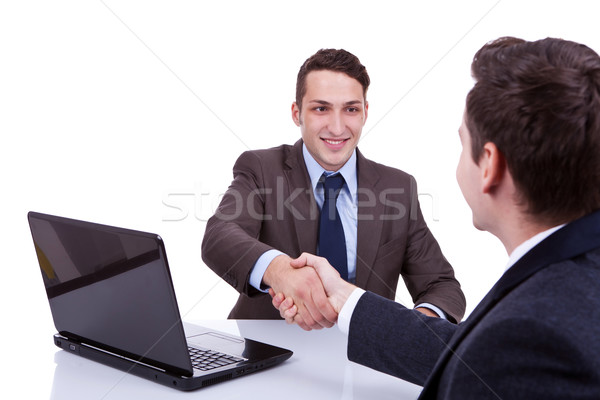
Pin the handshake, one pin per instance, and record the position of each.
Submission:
(307, 290)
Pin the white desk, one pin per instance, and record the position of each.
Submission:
(319, 369)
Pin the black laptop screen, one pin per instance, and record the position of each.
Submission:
(110, 288)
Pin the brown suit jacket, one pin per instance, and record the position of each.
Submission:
(270, 205)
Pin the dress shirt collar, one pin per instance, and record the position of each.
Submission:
(529, 244)
(348, 171)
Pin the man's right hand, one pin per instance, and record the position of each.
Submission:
(337, 289)
(304, 286)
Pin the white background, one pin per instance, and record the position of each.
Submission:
(132, 113)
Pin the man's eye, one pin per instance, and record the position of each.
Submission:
(352, 109)
(320, 109)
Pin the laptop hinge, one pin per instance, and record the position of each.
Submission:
(123, 357)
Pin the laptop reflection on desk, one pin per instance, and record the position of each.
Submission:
(112, 301)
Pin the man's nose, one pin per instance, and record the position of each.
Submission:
(336, 125)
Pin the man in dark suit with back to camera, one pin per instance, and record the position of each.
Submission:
(530, 172)
(374, 231)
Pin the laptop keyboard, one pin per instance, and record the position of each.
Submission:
(205, 360)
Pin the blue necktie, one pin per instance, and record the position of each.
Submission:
(332, 242)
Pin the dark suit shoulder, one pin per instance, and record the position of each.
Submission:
(563, 287)
(386, 168)
(516, 356)
(263, 165)
(389, 176)
(274, 156)
(565, 294)
(546, 326)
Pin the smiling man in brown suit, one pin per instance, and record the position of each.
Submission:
(270, 213)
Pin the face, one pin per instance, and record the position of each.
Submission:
(333, 114)
(468, 175)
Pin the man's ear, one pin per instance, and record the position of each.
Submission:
(493, 167)
(296, 114)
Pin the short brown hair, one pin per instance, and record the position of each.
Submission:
(539, 103)
(332, 60)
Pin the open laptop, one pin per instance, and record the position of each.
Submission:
(112, 301)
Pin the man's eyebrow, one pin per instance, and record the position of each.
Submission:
(322, 102)
(353, 102)
(326, 103)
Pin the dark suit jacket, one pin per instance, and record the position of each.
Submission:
(270, 205)
(536, 334)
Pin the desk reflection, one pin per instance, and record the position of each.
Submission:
(318, 369)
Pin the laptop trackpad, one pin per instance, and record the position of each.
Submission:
(217, 341)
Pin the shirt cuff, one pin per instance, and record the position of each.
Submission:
(260, 266)
(345, 315)
(433, 308)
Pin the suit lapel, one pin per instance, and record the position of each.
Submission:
(369, 219)
(300, 200)
(576, 238)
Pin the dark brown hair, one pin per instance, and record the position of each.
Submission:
(539, 103)
(332, 60)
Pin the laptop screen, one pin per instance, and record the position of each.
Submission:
(110, 288)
